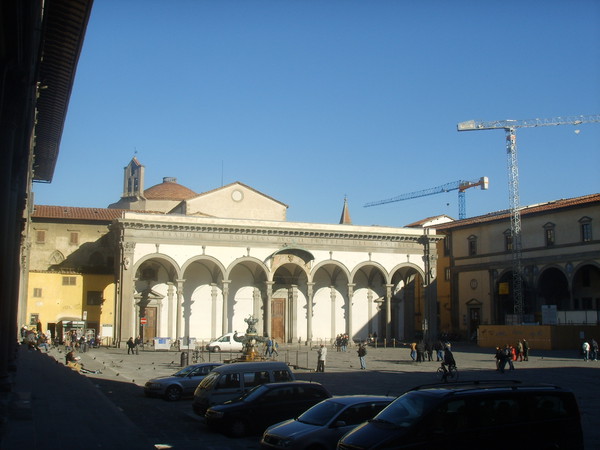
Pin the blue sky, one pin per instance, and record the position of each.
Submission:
(312, 101)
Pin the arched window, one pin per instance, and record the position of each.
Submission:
(472, 245)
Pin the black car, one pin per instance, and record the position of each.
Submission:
(264, 405)
(491, 415)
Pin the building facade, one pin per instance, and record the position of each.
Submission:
(560, 260)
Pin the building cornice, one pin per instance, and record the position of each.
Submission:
(271, 228)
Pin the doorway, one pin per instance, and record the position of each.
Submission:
(148, 331)
(278, 319)
(474, 322)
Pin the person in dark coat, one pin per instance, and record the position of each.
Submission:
(420, 351)
(130, 346)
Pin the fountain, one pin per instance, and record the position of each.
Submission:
(250, 341)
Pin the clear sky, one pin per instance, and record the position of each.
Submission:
(312, 101)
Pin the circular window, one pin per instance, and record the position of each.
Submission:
(237, 195)
(473, 283)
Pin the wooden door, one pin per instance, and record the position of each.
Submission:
(278, 319)
(149, 330)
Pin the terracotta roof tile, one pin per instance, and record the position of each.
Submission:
(525, 211)
(76, 213)
(169, 190)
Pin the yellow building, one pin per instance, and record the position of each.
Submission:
(71, 271)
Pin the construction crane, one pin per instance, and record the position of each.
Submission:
(461, 185)
(510, 128)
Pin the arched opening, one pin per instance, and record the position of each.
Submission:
(553, 289)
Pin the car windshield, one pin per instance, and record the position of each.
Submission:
(184, 372)
(407, 409)
(209, 380)
(254, 393)
(321, 414)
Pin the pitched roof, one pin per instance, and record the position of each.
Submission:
(245, 186)
(75, 213)
(525, 211)
(423, 222)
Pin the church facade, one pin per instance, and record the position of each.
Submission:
(188, 265)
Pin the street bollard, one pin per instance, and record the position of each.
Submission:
(184, 359)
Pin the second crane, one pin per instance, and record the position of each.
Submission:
(459, 185)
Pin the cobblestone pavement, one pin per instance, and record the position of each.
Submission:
(390, 371)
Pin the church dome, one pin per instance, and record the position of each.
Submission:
(169, 190)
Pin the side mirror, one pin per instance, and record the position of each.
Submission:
(339, 424)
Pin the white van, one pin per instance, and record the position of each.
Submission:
(229, 381)
(225, 343)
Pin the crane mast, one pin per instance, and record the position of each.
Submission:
(510, 129)
(459, 185)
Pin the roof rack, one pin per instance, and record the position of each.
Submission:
(503, 382)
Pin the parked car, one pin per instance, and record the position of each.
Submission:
(490, 414)
(230, 381)
(182, 383)
(264, 405)
(321, 426)
(225, 343)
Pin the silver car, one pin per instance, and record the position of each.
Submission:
(321, 426)
(181, 383)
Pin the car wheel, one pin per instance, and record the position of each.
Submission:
(216, 349)
(173, 393)
(237, 428)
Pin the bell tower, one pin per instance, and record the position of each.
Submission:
(133, 182)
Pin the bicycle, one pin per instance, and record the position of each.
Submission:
(197, 356)
(446, 373)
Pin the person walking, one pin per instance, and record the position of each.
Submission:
(439, 350)
(594, 350)
(413, 351)
(362, 352)
(586, 351)
(520, 350)
(269, 350)
(420, 351)
(321, 358)
(525, 350)
(509, 356)
(130, 346)
(429, 350)
(138, 343)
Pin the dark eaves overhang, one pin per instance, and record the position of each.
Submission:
(64, 25)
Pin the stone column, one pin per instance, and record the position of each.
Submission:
(225, 317)
(430, 260)
(124, 318)
(256, 304)
(349, 311)
(173, 316)
(186, 311)
(370, 310)
(294, 310)
(388, 311)
(213, 310)
(309, 313)
(332, 296)
(269, 285)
